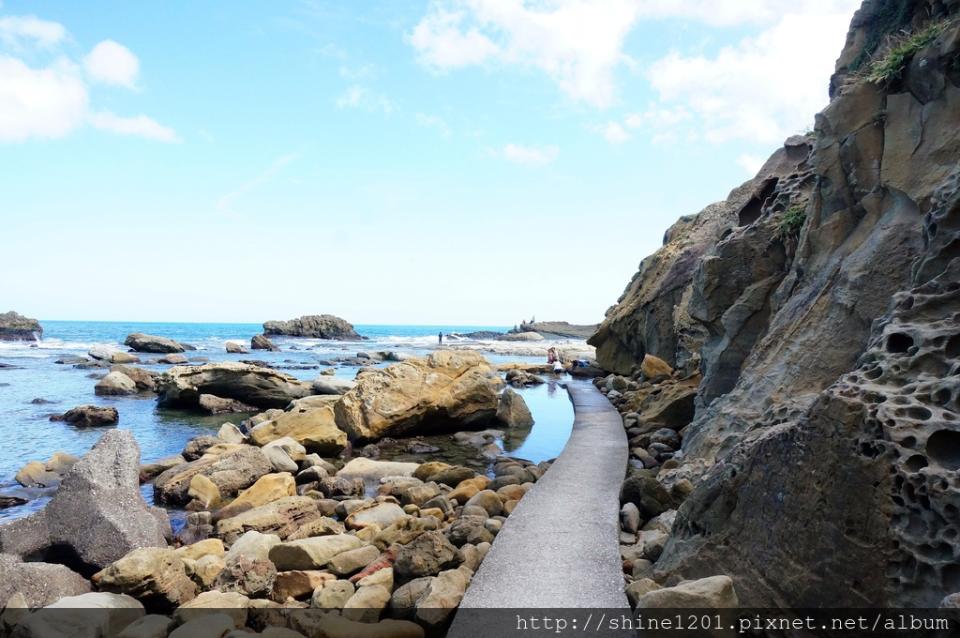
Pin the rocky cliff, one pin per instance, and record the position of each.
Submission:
(821, 303)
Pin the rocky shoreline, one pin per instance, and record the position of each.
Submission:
(293, 509)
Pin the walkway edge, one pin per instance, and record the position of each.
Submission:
(560, 546)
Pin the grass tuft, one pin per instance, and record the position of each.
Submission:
(889, 67)
(791, 223)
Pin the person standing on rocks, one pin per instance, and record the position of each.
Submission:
(440, 338)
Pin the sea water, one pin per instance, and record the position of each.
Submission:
(34, 387)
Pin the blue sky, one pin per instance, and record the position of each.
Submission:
(446, 161)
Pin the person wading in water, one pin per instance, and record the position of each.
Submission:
(440, 338)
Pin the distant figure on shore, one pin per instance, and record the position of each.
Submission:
(440, 338)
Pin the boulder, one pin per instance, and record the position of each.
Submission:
(653, 367)
(647, 493)
(335, 626)
(316, 326)
(253, 544)
(124, 357)
(86, 615)
(200, 610)
(326, 384)
(103, 352)
(280, 459)
(149, 626)
(442, 596)
(204, 492)
(299, 583)
(39, 583)
(97, 530)
(332, 594)
(371, 470)
(86, 416)
(196, 551)
(379, 514)
(115, 384)
(453, 476)
(174, 358)
(217, 405)
(230, 472)
(367, 603)
(315, 428)
(715, 592)
(512, 410)
(153, 575)
(446, 391)
(261, 342)
(36, 474)
(268, 488)
(250, 576)
(229, 433)
(469, 530)
(16, 327)
(145, 380)
(232, 347)
(139, 342)
(427, 555)
(311, 553)
(281, 517)
(182, 386)
(353, 560)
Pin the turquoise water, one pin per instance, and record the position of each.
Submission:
(35, 387)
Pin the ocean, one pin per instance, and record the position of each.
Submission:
(33, 387)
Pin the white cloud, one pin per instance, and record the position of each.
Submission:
(357, 96)
(443, 44)
(750, 163)
(761, 89)
(139, 125)
(579, 43)
(435, 122)
(528, 155)
(18, 30)
(614, 133)
(112, 63)
(226, 202)
(51, 100)
(48, 103)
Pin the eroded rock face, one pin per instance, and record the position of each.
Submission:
(826, 437)
(182, 386)
(447, 390)
(96, 516)
(16, 327)
(316, 326)
(651, 314)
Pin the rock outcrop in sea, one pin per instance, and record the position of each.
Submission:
(821, 304)
(16, 327)
(557, 329)
(316, 326)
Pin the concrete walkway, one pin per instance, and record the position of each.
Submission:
(560, 546)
